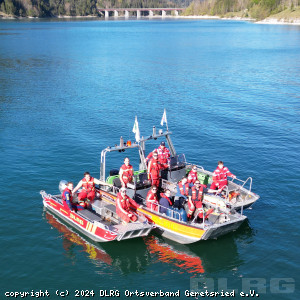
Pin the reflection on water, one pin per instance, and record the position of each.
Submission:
(70, 239)
(115, 254)
(166, 253)
(205, 256)
(135, 255)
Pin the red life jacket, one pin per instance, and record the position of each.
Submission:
(192, 177)
(163, 155)
(220, 175)
(88, 185)
(63, 196)
(154, 168)
(151, 196)
(127, 173)
(182, 189)
(124, 201)
(200, 193)
(162, 195)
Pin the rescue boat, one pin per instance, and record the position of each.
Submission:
(100, 222)
(173, 225)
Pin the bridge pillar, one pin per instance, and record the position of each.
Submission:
(176, 13)
(106, 14)
(163, 13)
(138, 14)
(151, 14)
(126, 14)
(116, 14)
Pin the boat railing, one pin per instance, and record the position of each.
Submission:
(46, 195)
(199, 168)
(248, 191)
(244, 183)
(226, 189)
(56, 198)
(170, 212)
(114, 189)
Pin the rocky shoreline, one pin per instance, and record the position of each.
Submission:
(269, 20)
(282, 21)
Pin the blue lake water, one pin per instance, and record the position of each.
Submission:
(69, 89)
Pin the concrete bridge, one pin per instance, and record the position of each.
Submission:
(138, 11)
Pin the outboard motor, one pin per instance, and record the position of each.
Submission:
(62, 185)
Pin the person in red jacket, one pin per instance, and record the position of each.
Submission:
(151, 199)
(88, 188)
(193, 175)
(163, 155)
(195, 200)
(126, 173)
(220, 177)
(123, 207)
(154, 168)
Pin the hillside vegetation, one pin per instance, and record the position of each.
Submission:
(256, 9)
(50, 8)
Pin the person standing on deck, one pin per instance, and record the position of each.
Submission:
(163, 154)
(126, 173)
(154, 168)
(220, 177)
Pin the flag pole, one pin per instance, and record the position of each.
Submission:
(165, 118)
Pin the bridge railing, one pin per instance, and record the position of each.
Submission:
(138, 11)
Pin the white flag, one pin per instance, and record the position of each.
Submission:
(164, 118)
(136, 130)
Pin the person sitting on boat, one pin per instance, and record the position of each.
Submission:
(182, 194)
(88, 188)
(195, 200)
(220, 177)
(154, 168)
(163, 155)
(123, 207)
(165, 201)
(193, 175)
(67, 198)
(151, 199)
(126, 173)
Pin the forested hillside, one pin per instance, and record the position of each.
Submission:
(257, 9)
(49, 8)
